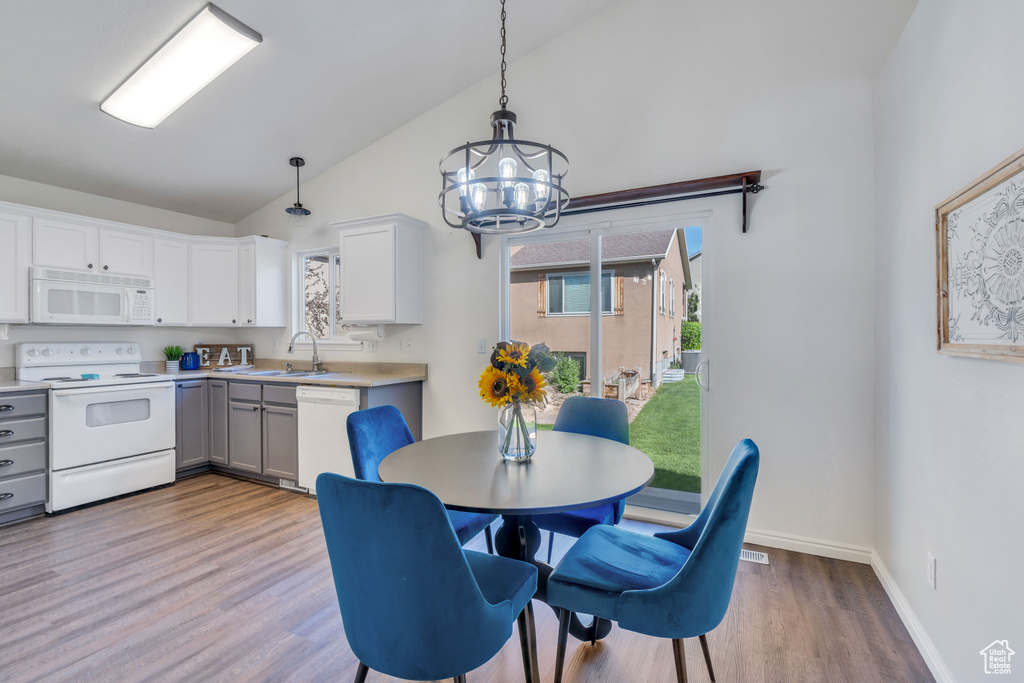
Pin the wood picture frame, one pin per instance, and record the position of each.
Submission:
(979, 247)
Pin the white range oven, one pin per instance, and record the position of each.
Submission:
(111, 427)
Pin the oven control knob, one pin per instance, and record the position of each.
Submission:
(47, 352)
(131, 350)
(86, 351)
(120, 351)
(33, 353)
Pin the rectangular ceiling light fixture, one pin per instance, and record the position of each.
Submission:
(203, 49)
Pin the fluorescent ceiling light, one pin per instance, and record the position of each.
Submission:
(202, 50)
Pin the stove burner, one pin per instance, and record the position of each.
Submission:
(136, 374)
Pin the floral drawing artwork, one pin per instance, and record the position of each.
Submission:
(985, 247)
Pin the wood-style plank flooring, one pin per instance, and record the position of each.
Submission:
(216, 579)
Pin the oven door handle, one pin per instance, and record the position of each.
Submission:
(58, 393)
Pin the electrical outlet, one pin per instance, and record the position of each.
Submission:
(405, 345)
(481, 346)
(931, 570)
(370, 346)
(277, 344)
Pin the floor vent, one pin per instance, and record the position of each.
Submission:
(754, 556)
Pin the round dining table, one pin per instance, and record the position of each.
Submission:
(568, 472)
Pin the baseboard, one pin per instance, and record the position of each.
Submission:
(924, 644)
(811, 546)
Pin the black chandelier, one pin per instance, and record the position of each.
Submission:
(503, 185)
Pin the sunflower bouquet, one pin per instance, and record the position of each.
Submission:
(514, 378)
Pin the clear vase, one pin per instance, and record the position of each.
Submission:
(517, 431)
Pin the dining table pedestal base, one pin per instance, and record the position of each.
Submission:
(519, 538)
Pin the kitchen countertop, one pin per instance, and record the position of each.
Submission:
(10, 385)
(351, 375)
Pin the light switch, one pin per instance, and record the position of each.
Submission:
(481, 346)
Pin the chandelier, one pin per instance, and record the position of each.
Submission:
(503, 185)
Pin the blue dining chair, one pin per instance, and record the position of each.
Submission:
(672, 585)
(374, 434)
(421, 607)
(607, 418)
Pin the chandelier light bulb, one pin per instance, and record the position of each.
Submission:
(464, 176)
(478, 196)
(522, 192)
(540, 186)
(507, 170)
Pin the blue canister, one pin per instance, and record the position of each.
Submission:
(189, 360)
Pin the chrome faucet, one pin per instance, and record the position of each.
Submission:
(317, 365)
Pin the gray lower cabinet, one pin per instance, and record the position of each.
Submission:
(192, 414)
(217, 391)
(263, 429)
(245, 436)
(22, 455)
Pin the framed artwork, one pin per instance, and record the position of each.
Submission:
(980, 266)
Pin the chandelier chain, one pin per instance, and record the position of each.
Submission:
(503, 100)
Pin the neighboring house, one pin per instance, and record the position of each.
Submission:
(644, 283)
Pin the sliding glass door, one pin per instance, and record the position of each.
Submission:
(630, 338)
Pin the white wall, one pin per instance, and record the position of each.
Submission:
(949, 437)
(795, 327)
(59, 199)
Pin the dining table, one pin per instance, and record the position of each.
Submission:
(568, 471)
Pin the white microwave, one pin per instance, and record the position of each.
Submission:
(67, 297)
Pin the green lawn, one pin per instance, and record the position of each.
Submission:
(668, 430)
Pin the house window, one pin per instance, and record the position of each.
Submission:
(569, 293)
(320, 278)
(661, 307)
(672, 298)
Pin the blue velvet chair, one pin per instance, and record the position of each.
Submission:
(374, 434)
(672, 585)
(420, 607)
(604, 417)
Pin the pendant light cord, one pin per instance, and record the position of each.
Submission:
(503, 100)
(298, 202)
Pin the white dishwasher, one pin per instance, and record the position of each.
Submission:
(323, 436)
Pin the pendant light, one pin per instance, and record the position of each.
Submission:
(503, 185)
(297, 212)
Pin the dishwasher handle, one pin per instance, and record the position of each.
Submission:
(327, 396)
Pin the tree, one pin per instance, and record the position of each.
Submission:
(693, 305)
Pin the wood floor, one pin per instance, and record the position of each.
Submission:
(215, 579)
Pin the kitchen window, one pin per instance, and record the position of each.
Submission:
(569, 293)
(318, 279)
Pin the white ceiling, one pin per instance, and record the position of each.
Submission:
(330, 78)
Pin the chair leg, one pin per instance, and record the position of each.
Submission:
(707, 656)
(460, 679)
(528, 643)
(551, 544)
(488, 539)
(680, 654)
(361, 673)
(564, 616)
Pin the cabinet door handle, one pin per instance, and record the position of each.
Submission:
(106, 267)
(6, 463)
(6, 432)
(233, 321)
(159, 320)
(4, 409)
(5, 496)
(249, 321)
(90, 265)
(255, 407)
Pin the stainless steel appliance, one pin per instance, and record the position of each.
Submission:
(68, 297)
(111, 426)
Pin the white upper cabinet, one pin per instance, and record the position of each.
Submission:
(262, 272)
(125, 253)
(213, 284)
(15, 255)
(170, 282)
(59, 244)
(381, 270)
(66, 245)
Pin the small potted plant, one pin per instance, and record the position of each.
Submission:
(173, 355)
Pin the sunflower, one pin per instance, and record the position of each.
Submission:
(533, 386)
(514, 353)
(494, 386)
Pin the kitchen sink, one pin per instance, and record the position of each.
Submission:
(264, 373)
(303, 373)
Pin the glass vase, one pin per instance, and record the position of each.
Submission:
(517, 431)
